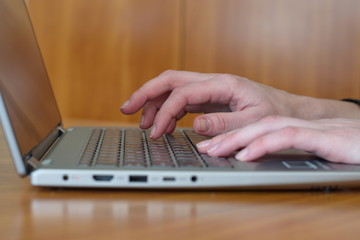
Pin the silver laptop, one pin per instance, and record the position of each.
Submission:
(122, 157)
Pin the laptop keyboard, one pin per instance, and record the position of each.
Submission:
(132, 148)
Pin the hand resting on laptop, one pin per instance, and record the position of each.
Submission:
(335, 139)
(245, 114)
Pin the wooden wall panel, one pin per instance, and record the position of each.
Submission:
(97, 52)
(305, 47)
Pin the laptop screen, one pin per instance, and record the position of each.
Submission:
(24, 83)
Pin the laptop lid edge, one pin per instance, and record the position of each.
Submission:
(11, 139)
(31, 158)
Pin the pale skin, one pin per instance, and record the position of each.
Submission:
(248, 116)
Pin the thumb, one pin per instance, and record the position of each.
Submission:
(217, 123)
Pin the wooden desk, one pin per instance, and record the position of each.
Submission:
(28, 212)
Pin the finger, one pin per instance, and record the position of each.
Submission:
(150, 110)
(204, 146)
(171, 127)
(161, 84)
(306, 139)
(173, 122)
(213, 124)
(218, 123)
(191, 94)
(226, 144)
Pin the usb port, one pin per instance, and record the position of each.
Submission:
(169, 179)
(138, 178)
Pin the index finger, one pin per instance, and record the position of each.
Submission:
(165, 82)
(193, 94)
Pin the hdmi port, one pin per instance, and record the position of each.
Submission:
(103, 177)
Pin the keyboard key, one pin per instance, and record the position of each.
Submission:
(115, 147)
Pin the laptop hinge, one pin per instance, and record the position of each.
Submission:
(35, 155)
(33, 163)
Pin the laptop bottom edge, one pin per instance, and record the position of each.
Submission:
(126, 179)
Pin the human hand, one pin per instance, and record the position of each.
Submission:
(230, 101)
(336, 140)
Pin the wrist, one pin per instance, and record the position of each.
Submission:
(316, 108)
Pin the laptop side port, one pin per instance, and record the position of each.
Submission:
(194, 178)
(169, 179)
(103, 178)
(138, 178)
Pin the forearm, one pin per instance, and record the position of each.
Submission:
(314, 108)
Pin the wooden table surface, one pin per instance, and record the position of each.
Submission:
(28, 212)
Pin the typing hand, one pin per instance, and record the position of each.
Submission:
(336, 140)
(229, 101)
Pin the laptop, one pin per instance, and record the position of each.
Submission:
(121, 157)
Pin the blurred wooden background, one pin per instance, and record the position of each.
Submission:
(98, 52)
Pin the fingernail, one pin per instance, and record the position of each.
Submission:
(203, 144)
(213, 148)
(203, 125)
(125, 104)
(241, 156)
(153, 130)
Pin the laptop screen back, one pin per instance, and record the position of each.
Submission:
(24, 83)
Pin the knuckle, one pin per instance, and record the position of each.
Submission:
(259, 146)
(259, 143)
(227, 78)
(168, 73)
(290, 131)
(165, 114)
(231, 79)
(172, 78)
(139, 94)
(271, 119)
(183, 94)
(220, 123)
(231, 137)
(178, 92)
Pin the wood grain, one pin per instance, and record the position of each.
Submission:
(305, 47)
(57, 213)
(98, 52)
